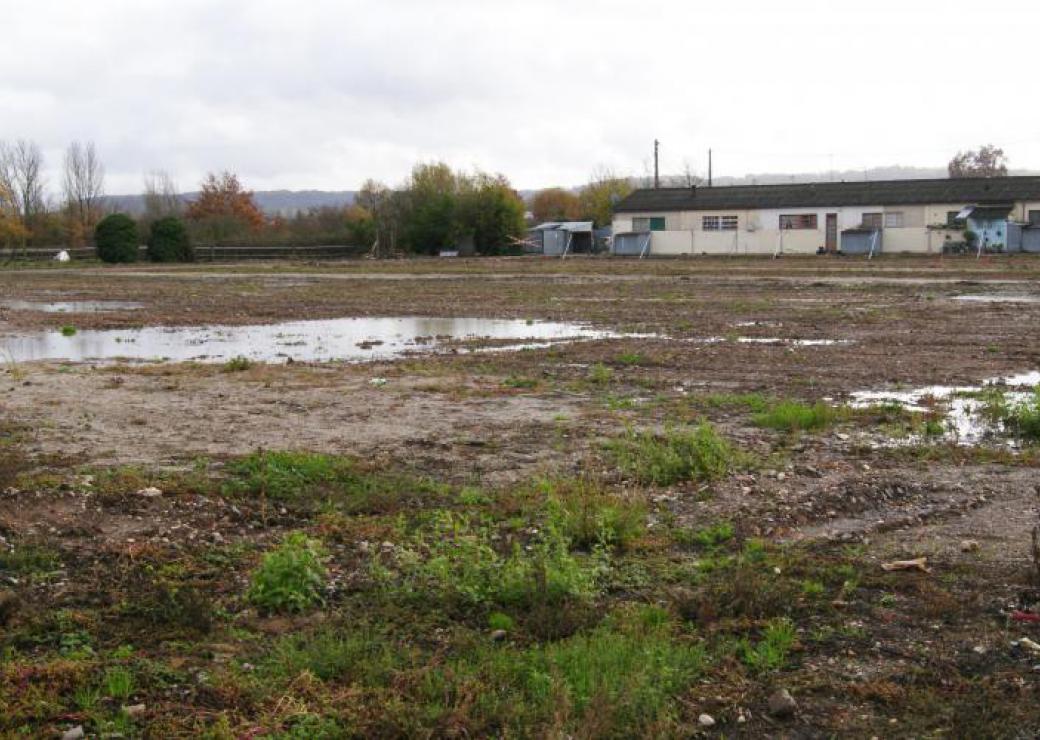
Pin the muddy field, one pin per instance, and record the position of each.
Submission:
(654, 530)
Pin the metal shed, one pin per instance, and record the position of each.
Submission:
(632, 244)
(560, 238)
(1031, 239)
(862, 240)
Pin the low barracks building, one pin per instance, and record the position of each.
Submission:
(1000, 214)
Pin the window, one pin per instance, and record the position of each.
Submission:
(872, 220)
(651, 223)
(719, 223)
(894, 220)
(1034, 218)
(798, 221)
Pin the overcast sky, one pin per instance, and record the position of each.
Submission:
(325, 93)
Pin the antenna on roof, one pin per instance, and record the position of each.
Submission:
(657, 172)
(709, 168)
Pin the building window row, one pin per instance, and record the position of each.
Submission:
(650, 223)
(798, 221)
(719, 223)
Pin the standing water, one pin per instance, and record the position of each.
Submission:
(353, 340)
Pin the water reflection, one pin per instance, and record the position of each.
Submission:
(355, 339)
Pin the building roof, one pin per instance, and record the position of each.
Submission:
(573, 226)
(833, 194)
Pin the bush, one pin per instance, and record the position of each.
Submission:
(677, 455)
(589, 515)
(168, 241)
(116, 238)
(291, 577)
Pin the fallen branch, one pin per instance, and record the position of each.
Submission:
(920, 564)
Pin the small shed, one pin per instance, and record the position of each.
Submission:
(1030, 239)
(632, 244)
(990, 224)
(559, 238)
(862, 240)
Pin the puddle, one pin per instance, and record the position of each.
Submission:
(793, 342)
(71, 306)
(352, 340)
(998, 298)
(963, 420)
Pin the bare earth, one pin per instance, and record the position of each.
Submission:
(466, 420)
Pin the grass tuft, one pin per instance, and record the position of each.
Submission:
(697, 453)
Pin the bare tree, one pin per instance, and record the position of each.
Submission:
(987, 161)
(21, 175)
(84, 186)
(161, 198)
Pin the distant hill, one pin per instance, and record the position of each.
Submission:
(273, 202)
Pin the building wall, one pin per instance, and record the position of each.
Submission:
(758, 231)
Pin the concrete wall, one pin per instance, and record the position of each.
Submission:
(758, 231)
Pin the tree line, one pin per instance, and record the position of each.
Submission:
(435, 208)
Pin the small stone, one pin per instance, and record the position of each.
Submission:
(76, 733)
(134, 710)
(706, 720)
(741, 719)
(979, 650)
(499, 635)
(970, 546)
(782, 704)
(150, 492)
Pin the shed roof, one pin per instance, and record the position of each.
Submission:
(573, 226)
(833, 194)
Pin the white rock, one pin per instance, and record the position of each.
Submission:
(76, 733)
(150, 492)
(706, 720)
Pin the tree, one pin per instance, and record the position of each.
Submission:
(84, 186)
(12, 232)
(987, 161)
(224, 209)
(115, 237)
(168, 241)
(21, 176)
(555, 204)
(161, 199)
(601, 194)
(490, 211)
(429, 209)
(386, 207)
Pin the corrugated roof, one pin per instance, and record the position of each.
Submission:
(833, 194)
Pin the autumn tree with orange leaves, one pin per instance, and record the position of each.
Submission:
(224, 209)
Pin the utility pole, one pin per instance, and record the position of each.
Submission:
(657, 172)
(709, 168)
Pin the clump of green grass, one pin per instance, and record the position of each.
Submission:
(118, 683)
(589, 515)
(308, 477)
(678, 454)
(237, 364)
(770, 653)
(360, 656)
(708, 537)
(756, 402)
(68, 331)
(29, 560)
(1024, 418)
(600, 374)
(793, 416)
(631, 358)
(519, 382)
(454, 559)
(291, 578)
